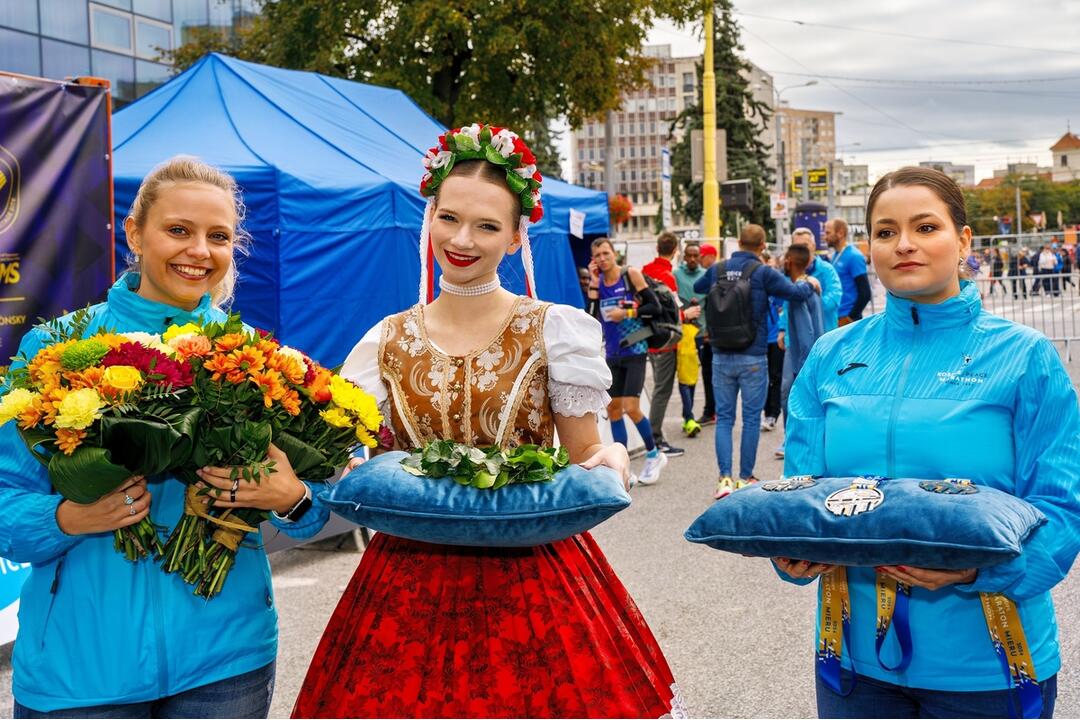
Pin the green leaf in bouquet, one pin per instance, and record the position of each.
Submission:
(148, 446)
(462, 479)
(40, 443)
(483, 480)
(86, 475)
(307, 461)
(501, 480)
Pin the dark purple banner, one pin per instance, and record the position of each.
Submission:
(55, 202)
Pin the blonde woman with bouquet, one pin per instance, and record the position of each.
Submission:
(100, 636)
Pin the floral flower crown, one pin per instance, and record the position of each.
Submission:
(496, 145)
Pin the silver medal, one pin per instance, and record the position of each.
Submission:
(797, 482)
(862, 496)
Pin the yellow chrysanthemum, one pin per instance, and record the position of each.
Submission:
(14, 403)
(337, 417)
(176, 331)
(123, 378)
(350, 397)
(79, 409)
(365, 437)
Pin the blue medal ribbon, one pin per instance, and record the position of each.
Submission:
(893, 607)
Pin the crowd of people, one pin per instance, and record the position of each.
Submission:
(434, 630)
(1049, 267)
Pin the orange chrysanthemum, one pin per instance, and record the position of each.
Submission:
(88, 378)
(229, 342)
(51, 398)
(45, 366)
(291, 402)
(236, 365)
(67, 439)
(272, 385)
(31, 416)
(267, 346)
(293, 370)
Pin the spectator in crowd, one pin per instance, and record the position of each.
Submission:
(708, 413)
(1066, 268)
(1017, 269)
(686, 274)
(850, 266)
(804, 323)
(823, 271)
(998, 262)
(663, 360)
(583, 280)
(620, 298)
(774, 358)
(1045, 265)
(743, 369)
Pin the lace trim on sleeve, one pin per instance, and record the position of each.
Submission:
(576, 400)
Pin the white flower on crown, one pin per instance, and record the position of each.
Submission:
(526, 171)
(434, 161)
(473, 133)
(536, 195)
(503, 141)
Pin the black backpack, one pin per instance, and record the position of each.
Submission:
(664, 330)
(729, 313)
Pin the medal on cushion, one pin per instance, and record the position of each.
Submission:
(863, 496)
(797, 482)
(949, 486)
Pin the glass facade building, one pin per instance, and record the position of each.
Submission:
(122, 41)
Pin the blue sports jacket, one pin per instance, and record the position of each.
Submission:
(905, 393)
(95, 629)
(831, 293)
(766, 282)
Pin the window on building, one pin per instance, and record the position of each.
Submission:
(149, 75)
(581, 178)
(19, 52)
(652, 151)
(623, 173)
(622, 129)
(61, 59)
(1064, 161)
(592, 154)
(64, 20)
(19, 15)
(119, 70)
(580, 154)
(152, 38)
(633, 174)
(109, 29)
(632, 150)
(121, 4)
(622, 152)
(652, 104)
(157, 9)
(687, 81)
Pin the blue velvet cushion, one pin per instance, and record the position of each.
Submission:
(939, 524)
(381, 495)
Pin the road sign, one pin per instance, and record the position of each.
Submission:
(819, 180)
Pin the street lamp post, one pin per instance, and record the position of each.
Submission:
(781, 167)
(711, 189)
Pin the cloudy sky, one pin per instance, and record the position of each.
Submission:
(982, 82)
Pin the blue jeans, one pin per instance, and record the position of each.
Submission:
(734, 373)
(242, 696)
(877, 699)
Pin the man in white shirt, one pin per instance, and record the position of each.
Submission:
(1045, 265)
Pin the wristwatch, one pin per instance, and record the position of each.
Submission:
(297, 511)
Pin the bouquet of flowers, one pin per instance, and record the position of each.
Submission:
(486, 468)
(252, 391)
(97, 410)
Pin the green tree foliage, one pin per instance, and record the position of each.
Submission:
(514, 63)
(738, 114)
(1037, 194)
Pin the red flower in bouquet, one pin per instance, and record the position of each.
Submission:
(158, 367)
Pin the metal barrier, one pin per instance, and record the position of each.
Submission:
(1050, 303)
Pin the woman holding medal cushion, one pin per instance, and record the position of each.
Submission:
(901, 394)
(100, 636)
(426, 630)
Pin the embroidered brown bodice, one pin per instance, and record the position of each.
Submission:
(496, 395)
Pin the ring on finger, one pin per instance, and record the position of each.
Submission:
(232, 491)
(131, 510)
(128, 499)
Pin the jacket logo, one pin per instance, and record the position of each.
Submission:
(850, 367)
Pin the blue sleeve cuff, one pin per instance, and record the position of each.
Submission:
(31, 533)
(312, 521)
(997, 578)
(788, 579)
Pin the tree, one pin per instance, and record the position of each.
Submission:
(738, 113)
(515, 63)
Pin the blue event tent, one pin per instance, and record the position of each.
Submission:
(329, 170)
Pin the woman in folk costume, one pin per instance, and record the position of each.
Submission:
(445, 631)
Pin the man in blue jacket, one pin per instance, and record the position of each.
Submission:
(745, 370)
(821, 269)
(850, 265)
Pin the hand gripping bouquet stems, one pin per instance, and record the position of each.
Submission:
(96, 409)
(252, 391)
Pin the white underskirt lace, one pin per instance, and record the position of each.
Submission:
(576, 400)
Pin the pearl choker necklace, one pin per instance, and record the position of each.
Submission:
(469, 290)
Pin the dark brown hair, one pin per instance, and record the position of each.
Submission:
(488, 172)
(752, 236)
(943, 186)
(602, 241)
(666, 244)
(799, 256)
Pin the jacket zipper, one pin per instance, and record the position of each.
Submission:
(52, 597)
(898, 398)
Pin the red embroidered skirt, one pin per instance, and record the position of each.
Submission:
(439, 631)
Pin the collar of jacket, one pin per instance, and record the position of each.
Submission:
(124, 300)
(958, 310)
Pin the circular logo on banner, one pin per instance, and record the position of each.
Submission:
(861, 497)
(9, 189)
(792, 483)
